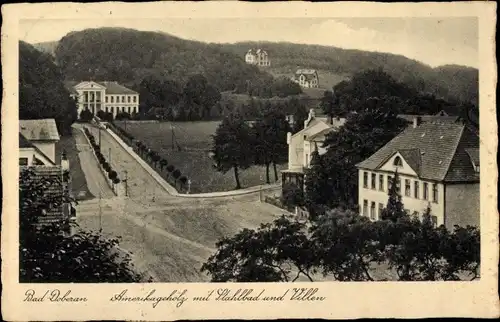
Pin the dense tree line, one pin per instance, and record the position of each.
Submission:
(47, 256)
(41, 90)
(341, 245)
(450, 82)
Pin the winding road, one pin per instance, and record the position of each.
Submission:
(169, 236)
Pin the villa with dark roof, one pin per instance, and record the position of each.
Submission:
(306, 78)
(438, 165)
(104, 96)
(257, 57)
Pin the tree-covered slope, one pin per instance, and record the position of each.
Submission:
(41, 90)
(450, 82)
(128, 56)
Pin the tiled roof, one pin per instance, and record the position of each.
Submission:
(111, 87)
(442, 147)
(427, 118)
(23, 142)
(39, 130)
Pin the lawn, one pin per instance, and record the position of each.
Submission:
(78, 181)
(195, 141)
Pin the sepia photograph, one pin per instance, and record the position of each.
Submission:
(170, 151)
(247, 149)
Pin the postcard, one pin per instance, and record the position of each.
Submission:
(238, 160)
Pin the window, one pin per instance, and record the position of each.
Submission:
(398, 186)
(416, 190)
(23, 161)
(123, 99)
(389, 182)
(112, 99)
(365, 179)
(106, 99)
(128, 99)
(135, 99)
(380, 209)
(434, 221)
(435, 193)
(407, 187)
(372, 210)
(374, 181)
(381, 182)
(365, 207)
(398, 162)
(426, 192)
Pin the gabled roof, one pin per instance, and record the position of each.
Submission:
(39, 130)
(473, 155)
(442, 148)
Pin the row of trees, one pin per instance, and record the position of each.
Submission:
(238, 145)
(112, 174)
(341, 245)
(47, 256)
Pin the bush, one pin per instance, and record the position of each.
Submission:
(176, 174)
(112, 175)
(183, 180)
(116, 181)
(86, 116)
(170, 168)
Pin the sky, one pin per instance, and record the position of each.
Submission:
(433, 41)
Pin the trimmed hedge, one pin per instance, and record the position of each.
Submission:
(112, 174)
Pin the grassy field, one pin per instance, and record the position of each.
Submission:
(195, 141)
(78, 181)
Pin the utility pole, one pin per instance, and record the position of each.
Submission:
(109, 155)
(99, 137)
(172, 128)
(100, 211)
(126, 183)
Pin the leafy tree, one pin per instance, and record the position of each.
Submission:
(275, 252)
(176, 174)
(330, 105)
(48, 256)
(292, 195)
(230, 146)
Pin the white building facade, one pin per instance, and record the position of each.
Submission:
(307, 78)
(257, 57)
(105, 96)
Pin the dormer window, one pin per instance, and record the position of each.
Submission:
(398, 162)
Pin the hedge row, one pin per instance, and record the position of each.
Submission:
(112, 174)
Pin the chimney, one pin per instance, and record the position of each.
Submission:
(416, 121)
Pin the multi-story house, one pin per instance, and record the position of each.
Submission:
(302, 144)
(306, 78)
(257, 57)
(37, 152)
(438, 165)
(109, 97)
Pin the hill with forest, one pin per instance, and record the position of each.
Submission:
(451, 82)
(42, 93)
(130, 56)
